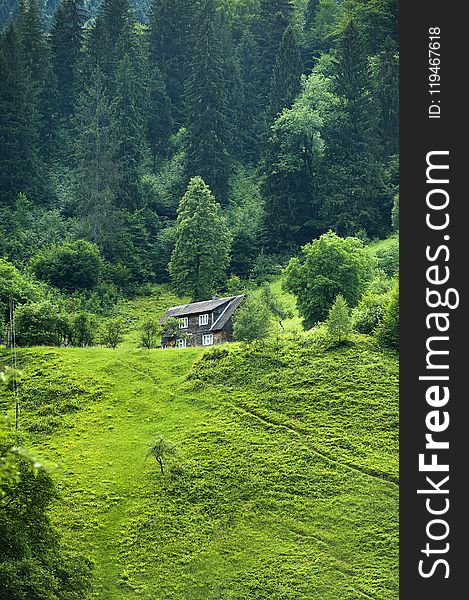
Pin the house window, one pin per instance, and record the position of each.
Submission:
(184, 323)
(207, 339)
(203, 320)
(182, 343)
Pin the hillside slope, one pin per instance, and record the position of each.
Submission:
(283, 487)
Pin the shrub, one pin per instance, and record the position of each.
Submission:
(41, 324)
(83, 329)
(149, 335)
(252, 321)
(369, 312)
(387, 332)
(70, 266)
(395, 214)
(112, 333)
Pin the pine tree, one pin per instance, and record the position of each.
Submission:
(66, 41)
(311, 12)
(286, 83)
(170, 38)
(201, 255)
(160, 121)
(19, 122)
(207, 107)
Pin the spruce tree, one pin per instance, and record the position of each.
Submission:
(131, 108)
(386, 92)
(250, 127)
(356, 198)
(201, 255)
(207, 106)
(19, 122)
(170, 37)
(37, 57)
(288, 67)
(66, 41)
(97, 171)
(274, 18)
(311, 12)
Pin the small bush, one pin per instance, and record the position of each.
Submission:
(369, 312)
(150, 334)
(387, 333)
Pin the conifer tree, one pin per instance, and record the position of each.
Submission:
(386, 92)
(274, 18)
(251, 97)
(207, 106)
(37, 57)
(311, 12)
(201, 255)
(131, 108)
(288, 67)
(19, 122)
(356, 198)
(97, 171)
(170, 36)
(66, 41)
(160, 119)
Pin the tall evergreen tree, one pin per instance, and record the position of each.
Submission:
(19, 122)
(66, 41)
(201, 255)
(160, 119)
(250, 127)
(288, 67)
(311, 12)
(131, 108)
(274, 18)
(386, 92)
(171, 38)
(356, 197)
(97, 171)
(207, 106)
(37, 56)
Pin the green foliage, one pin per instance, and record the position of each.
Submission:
(111, 333)
(33, 564)
(369, 312)
(387, 257)
(41, 324)
(70, 266)
(252, 321)
(328, 266)
(395, 213)
(287, 70)
(160, 450)
(16, 286)
(201, 255)
(338, 320)
(207, 105)
(387, 332)
(150, 334)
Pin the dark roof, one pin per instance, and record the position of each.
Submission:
(227, 313)
(184, 310)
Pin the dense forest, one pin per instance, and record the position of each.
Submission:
(288, 111)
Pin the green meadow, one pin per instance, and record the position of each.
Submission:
(284, 484)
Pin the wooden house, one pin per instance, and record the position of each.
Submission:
(202, 323)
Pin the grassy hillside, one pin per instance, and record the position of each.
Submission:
(284, 485)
